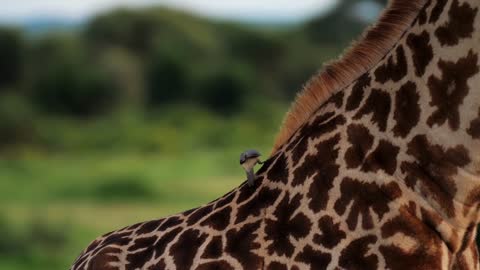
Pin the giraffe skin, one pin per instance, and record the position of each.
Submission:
(384, 175)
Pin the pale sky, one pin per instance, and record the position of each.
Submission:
(292, 10)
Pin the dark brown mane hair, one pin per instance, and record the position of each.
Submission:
(362, 56)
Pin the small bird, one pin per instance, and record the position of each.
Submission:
(248, 160)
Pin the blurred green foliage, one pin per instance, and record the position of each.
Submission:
(98, 125)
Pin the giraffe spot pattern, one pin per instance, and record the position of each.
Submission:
(219, 265)
(279, 170)
(265, 198)
(337, 99)
(434, 168)
(331, 234)
(241, 242)
(199, 214)
(214, 248)
(422, 51)
(137, 259)
(143, 242)
(159, 265)
(474, 129)
(218, 220)
(437, 10)
(149, 226)
(355, 257)
(364, 198)
(384, 157)
(424, 254)
(104, 259)
(184, 250)
(277, 266)
(407, 110)
(391, 70)
(322, 125)
(423, 16)
(286, 224)
(448, 92)
(358, 91)
(379, 105)
(315, 259)
(324, 169)
(459, 26)
(361, 142)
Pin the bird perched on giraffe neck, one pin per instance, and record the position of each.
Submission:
(248, 160)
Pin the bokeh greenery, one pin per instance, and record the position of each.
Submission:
(138, 114)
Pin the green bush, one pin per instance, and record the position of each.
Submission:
(17, 121)
(11, 55)
(166, 80)
(65, 81)
(224, 91)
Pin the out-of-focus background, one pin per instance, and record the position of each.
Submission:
(114, 112)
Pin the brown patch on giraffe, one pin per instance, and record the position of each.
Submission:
(142, 242)
(277, 266)
(170, 223)
(218, 265)
(434, 168)
(265, 198)
(162, 243)
(358, 91)
(426, 252)
(279, 171)
(422, 51)
(474, 129)
(437, 10)
(157, 266)
(286, 225)
(117, 238)
(423, 16)
(241, 243)
(365, 197)
(361, 142)
(314, 258)
(407, 109)
(218, 220)
(337, 99)
(184, 250)
(355, 257)
(384, 157)
(322, 125)
(214, 248)
(331, 234)
(199, 214)
(459, 26)
(149, 227)
(393, 70)
(147, 249)
(323, 168)
(472, 200)
(227, 199)
(104, 259)
(267, 164)
(449, 92)
(378, 104)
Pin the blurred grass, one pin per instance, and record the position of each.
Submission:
(72, 180)
(52, 207)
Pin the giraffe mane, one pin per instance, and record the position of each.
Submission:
(362, 56)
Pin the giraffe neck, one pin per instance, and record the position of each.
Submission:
(406, 134)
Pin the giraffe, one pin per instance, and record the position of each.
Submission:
(377, 166)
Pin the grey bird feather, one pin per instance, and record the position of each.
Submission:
(248, 160)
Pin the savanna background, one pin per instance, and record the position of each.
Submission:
(131, 114)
